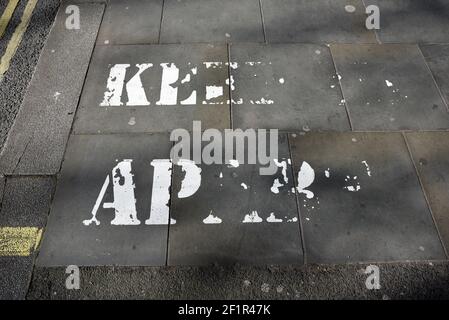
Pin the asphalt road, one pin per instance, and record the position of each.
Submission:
(422, 280)
(16, 79)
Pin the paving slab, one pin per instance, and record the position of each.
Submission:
(45, 117)
(412, 21)
(287, 87)
(102, 202)
(367, 204)
(187, 21)
(430, 152)
(131, 22)
(389, 87)
(26, 204)
(107, 106)
(437, 58)
(321, 21)
(235, 216)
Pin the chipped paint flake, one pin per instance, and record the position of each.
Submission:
(213, 64)
(306, 176)
(233, 163)
(354, 186)
(350, 8)
(283, 165)
(272, 218)
(211, 219)
(276, 185)
(253, 217)
(368, 170)
(186, 78)
(192, 180)
(213, 92)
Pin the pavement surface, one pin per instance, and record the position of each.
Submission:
(360, 182)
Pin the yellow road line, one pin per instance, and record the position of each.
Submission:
(17, 37)
(7, 14)
(19, 241)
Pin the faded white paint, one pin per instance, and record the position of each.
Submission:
(253, 217)
(354, 185)
(124, 199)
(169, 94)
(97, 204)
(306, 176)
(213, 92)
(211, 219)
(368, 170)
(191, 100)
(230, 83)
(186, 78)
(160, 194)
(114, 86)
(212, 64)
(134, 87)
(276, 185)
(233, 163)
(192, 180)
(272, 218)
(350, 8)
(283, 165)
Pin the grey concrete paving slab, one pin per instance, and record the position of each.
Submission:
(186, 21)
(131, 22)
(286, 86)
(412, 21)
(424, 280)
(389, 87)
(175, 85)
(437, 58)
(236, 216)
(45, 117)
(319, 21)
(102, 201)
(26, 203)
(430, 152)
(367, 204)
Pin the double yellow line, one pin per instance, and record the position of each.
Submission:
(17, 36)
(16, 241)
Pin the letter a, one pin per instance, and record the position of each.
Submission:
(124, 199)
